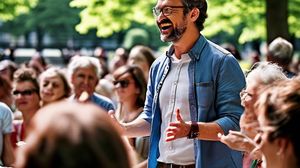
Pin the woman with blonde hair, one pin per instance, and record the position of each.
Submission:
(54, 86)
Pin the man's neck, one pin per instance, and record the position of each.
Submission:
(184, 44)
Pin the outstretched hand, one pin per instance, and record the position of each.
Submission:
(237, 141)
(177, 129)
(111, 113)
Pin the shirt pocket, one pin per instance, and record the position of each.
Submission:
(204, 91)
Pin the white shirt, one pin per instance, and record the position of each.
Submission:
(173, 95)
(6, 126)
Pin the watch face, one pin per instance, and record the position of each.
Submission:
(195, 135)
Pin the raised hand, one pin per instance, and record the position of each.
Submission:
(177, 129)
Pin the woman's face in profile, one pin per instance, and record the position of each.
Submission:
(270, 149)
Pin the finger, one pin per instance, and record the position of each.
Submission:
(170, 133)
(237, 133)
(219, 135)
(170, 138)
(174, 124)
(171, 129)
(178, 116)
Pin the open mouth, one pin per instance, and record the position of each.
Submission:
(165, 26)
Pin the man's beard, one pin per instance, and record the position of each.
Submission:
(175, 35)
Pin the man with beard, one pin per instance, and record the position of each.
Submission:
(193, 94)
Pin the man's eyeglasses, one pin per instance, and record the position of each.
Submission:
(24, 92)
(123, 83)
(166, 11)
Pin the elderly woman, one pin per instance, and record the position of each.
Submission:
(261, 75)
(53, 86)
(73, 135)
(278, 116)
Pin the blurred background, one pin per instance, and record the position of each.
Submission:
(59, 29)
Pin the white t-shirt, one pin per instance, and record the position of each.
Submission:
(6, 126)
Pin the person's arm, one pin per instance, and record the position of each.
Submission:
(8, 156)
(137, 128)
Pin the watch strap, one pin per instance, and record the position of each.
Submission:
(194, 131)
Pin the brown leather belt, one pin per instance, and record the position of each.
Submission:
(170, 165)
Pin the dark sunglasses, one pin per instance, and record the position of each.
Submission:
(24, 92)
(123, 83)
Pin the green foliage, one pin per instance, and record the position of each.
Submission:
(136, 36)
(242, 18)
(54, 17)
(110, 16)
(228, 15)
(12, 8)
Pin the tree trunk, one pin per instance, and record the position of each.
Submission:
(40, 36)
(277, 19)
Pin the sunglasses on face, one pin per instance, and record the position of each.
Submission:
(24, 92)
(123, 83)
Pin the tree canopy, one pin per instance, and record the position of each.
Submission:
(12, 8)
(247, 18)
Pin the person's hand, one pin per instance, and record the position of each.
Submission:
(237, 141)
(111, 113)
(177, 129)
(249, 124)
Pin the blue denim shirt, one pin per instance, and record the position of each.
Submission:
(102, 101)
(215, 79)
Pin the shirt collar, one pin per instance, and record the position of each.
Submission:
(196, 50)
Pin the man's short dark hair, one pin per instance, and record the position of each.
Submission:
(202, 6)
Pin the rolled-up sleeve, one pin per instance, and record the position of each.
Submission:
(230, 82)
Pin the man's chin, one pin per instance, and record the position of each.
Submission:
(165, 38)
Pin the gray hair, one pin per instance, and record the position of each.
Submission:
(281, 49)
(266, 73)
(84, 62)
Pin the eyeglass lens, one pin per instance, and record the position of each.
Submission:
(123, 83)
(24, 93)
(166, 11)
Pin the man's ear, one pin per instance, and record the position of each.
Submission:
(195, 12)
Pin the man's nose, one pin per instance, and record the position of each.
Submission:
(86, 81)
(160, 17)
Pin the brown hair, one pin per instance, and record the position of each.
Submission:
(139, 79)
(27, 75)
(280, 104)
(69, 135)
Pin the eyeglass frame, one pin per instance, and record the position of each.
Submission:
(245, 93)
(156, 11)
(27, 92)
(123, 83)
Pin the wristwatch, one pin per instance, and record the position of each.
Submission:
(194, 131)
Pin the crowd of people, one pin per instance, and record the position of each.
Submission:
(193, 106)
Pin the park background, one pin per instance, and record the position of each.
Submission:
(64, 27)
